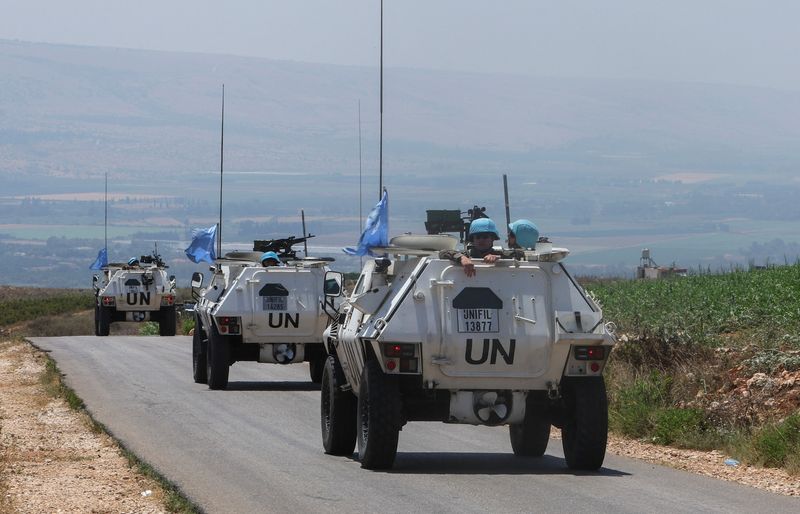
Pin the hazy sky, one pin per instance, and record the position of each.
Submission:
(733, 41)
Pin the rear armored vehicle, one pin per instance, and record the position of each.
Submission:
(517, 343)
(266, 306)
(139, 290)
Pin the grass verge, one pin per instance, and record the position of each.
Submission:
(174, 500)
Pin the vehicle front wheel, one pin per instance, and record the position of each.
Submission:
(585, 432)
(217, 359)
(315, 368)
(379, 418)
(199, 353)
(338, 411)
(530, 438)
(167, 324)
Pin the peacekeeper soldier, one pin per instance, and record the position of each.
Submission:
(270, 259)
(482, 234)
(523, 234)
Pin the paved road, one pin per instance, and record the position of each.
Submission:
(256, 447)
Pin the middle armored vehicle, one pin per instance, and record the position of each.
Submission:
(249, 312)
(517, 343)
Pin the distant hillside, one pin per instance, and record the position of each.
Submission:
(81, 111)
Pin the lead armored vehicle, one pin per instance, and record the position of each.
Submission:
(520, 344)
(137, 291)
(249, 312)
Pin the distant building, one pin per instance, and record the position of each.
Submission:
(648, 269)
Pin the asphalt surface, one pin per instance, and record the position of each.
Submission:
(256, 447)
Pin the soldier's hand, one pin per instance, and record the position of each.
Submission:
(490, 258)
(469, 267)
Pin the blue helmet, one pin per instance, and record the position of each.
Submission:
(526, 232)
(269, 255)
(481, 225)
(133, 261)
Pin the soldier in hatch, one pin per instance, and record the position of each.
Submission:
(482, 234)
(522, 234)
(270, 259)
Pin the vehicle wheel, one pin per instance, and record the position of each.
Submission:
(530, 438)
(217, 359)
(199, 353)
(315, 368)
(103, 320)
(378, 418)
(338, 411)
(168, 322)
(585, 430)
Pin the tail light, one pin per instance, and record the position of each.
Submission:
(229, 325)
(109, 301)
(590, 353)
(167, 300)
(401, 357)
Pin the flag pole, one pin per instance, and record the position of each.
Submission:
(105, 238)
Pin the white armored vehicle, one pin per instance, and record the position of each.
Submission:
(264, 307)
(137, 291)
(519, 343)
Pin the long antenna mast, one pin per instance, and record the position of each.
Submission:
(360, 212)
(360, 196)
(380, 163)
(221, 146)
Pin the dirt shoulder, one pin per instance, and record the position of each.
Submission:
(53, 460)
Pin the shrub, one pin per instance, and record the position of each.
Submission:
(682, 427)
(149, 328)
(778, 444)
(632, 407)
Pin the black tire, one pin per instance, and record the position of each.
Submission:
(338, 411)
(168, 322)
(217, 359)
(199, 353)
(585, 432)
(316, 367)
(103, 320)
(530, 438)
(378, 418)
(96, 320)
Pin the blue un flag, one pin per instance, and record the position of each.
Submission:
(101, 261)
(376, 229)
(202, 246)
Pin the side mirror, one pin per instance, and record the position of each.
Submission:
(95, 278)
(333, 283)
(197, 280)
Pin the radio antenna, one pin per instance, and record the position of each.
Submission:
(508, 213)
(305, 243)
(380, 158)
(221, 147)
